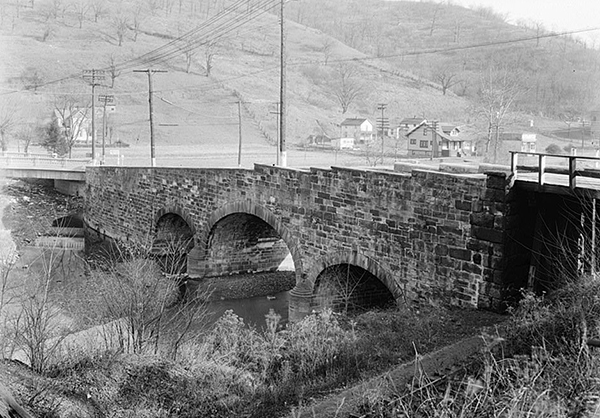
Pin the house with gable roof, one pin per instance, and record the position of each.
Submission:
(437, 139)
(355, 131)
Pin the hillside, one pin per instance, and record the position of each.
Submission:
(39, 46)
(417, 57)
(436, 40)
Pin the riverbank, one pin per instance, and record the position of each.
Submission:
(232, 370)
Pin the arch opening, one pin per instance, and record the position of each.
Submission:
(242, 243)
(349, 288)
(173, 241)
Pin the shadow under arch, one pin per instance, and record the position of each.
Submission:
(176, 210)
(352, 258)
(247, 207)
(173, 239)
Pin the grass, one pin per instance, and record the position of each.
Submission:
(544, 369)
(236, 370)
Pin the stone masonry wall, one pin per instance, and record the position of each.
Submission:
(425, 235)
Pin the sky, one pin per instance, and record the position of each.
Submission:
(556, 15)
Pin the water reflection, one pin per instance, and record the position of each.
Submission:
(252, 310)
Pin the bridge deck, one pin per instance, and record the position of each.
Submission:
(43, 167)
(570, 174)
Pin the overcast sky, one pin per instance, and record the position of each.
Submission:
(557, 15)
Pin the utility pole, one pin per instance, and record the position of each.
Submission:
(383, 123)
(104, 99)
(435, 152)
(150, 93)
(278, 116)
(239, 104)
(281, 154)
(94, 77)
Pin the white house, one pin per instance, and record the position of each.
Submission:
(359, 129)
(343, 143)
(77, 121)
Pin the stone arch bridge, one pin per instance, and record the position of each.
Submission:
(424, 235)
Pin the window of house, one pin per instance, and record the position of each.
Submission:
(413, 141)
(425, 131)
(423, 144)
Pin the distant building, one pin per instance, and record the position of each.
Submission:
(77, 120)
(318, 141)
(437, 139)
(359, 129)
(595, 124)
(519, 141)
(343, 143)
(408, 124)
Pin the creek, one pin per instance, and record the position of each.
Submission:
(252, 310)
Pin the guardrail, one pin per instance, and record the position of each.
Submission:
(37, 161)
(572, 165)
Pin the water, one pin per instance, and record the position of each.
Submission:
(252, 310)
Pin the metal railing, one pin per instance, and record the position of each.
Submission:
(574, 166)
(42, 161)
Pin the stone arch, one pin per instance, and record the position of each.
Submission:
(250, 208)
(174, 239)
(176, 210)
(353, 258)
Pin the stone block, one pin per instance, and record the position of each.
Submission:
(482, 219)
(488, 234)
(460, 253)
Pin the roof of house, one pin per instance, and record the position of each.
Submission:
(440, 130)
(353, 122)
(412, 121)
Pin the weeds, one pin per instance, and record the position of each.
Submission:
(544, 370)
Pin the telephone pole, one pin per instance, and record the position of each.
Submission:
(151, 111)
(94, 77)
(239, 104)
(104, 99)
(281, 154)
(384, 124)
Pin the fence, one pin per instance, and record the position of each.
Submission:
(574, 166)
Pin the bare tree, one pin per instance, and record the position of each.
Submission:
(25, 136)
(8, 120)
(498, 91)
(72, 116)
(113, 70)
(81, 7)
(434, 18)
(209, 55)
(446, 76)
(98, 9)
(121, 25)
(346, 86)
(190, 52)
(137, 21)
(327, 48)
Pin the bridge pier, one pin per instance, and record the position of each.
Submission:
(300, 303)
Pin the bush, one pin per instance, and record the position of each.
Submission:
(553, 149)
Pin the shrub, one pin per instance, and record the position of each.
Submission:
(554, 149)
